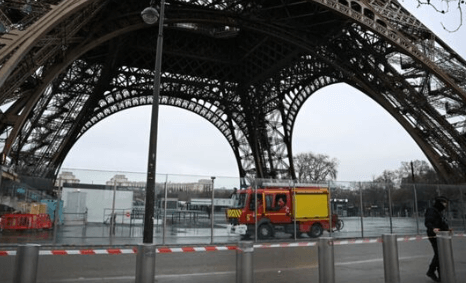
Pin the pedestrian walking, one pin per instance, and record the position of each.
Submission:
(435, 221)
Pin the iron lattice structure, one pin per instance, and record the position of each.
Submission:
(246, 66)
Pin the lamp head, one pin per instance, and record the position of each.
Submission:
(150, 15)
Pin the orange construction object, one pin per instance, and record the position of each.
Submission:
(25, 221)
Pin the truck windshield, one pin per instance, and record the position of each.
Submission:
(239, 200)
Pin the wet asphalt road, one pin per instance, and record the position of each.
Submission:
(353, 263)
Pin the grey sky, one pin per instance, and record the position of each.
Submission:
(338, 121)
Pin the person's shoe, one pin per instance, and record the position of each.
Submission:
(432, 276)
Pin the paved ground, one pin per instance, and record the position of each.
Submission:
(362, 263)
(353, 262)
(199, 232)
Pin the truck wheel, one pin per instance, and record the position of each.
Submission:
(316, 230)
(265, 231)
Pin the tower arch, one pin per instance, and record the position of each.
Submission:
(253, 64)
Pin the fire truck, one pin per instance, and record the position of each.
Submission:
(270, 208)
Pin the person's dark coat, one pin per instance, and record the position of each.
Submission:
(434, 219)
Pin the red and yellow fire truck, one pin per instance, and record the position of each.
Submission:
(303, 208)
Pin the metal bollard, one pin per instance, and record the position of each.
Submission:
(326, 260)
(390, 258)
(245, 262)
(145, 263)
(445, 254)
(26, 262)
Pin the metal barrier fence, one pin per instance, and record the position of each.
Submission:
(192, 208)
(27, 257)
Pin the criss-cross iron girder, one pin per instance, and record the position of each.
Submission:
(245, 66)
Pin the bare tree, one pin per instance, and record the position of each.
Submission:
(387, 177)
(422, 171)
(420, 167)
(447, 6)
(315, 167)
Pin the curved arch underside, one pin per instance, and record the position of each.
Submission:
(245, 66)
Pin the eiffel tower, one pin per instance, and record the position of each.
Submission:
(246, 66)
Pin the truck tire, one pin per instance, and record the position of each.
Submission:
(316, 230)
(265, 231)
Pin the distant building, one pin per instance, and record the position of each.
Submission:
(201, 186)
(67, 178)
(121, 180)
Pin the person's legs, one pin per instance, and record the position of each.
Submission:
(434, 264)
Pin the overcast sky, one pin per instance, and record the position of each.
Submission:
(338, 121)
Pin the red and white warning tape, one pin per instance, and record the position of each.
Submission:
(117, 251)
(77, 252)
(196, 249)
(125, 251)
(285, 245)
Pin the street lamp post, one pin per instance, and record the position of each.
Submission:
(150, 16)
(145, 260)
